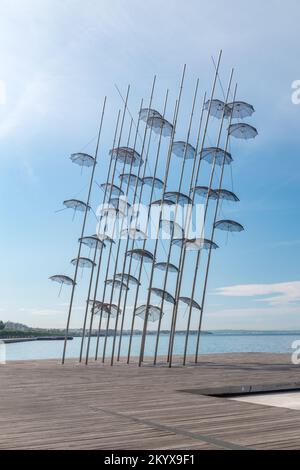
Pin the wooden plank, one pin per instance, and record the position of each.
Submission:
(44, 405)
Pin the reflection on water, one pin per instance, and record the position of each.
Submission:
(215, 343)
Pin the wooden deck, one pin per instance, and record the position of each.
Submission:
(44, 405)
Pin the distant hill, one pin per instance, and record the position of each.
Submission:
(16, 326)
(12, 329)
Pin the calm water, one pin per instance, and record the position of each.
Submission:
(215, 343)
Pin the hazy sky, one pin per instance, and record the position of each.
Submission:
(58, 60)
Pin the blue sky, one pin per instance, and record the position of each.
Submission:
(60, 58)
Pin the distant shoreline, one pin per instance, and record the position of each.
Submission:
(23, 337)
(38, 338)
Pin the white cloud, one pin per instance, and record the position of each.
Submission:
(40, 311)
(284, 293)
(250, 313)
(60, 310)
(75, 307)
(260, 318)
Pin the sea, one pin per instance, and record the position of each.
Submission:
(213, 343)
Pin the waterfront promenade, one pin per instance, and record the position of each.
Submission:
(44, 405)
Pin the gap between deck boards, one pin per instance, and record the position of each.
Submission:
(199, 437)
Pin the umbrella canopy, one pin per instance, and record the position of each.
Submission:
(115, 206)
(110, 311)
(196, 244)
(105, 237)
(108, 211)
(83, 262)
(134, 233)
(203, 191)
(107, 309)
(242, 131)
(76, 205)
(190, 302)
(163, 294)
(229, 226)
(112, 189)
(146, 113)
(177, 198)
(128, 278)
(182, 149)
(169, 226)
(131, 179)
(96, 305)
(164, 266)
(62, 279)
(82, 159)
(126, 155)
(116, 283)
(217, 155)
(153, 315)
(216, 108)
(240, 109)
(92, 241)
(141, 255)
(160, 125)
(180, 241)
(162, 202)
(121, 205)
(151, 181)
(227, 195)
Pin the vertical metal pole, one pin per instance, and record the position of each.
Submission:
(199, 251)
(101, 248)
(92, 272)
(111, 247)
(133, 244)
(212, 235)
(204, 220)
(110, 192)
(197, 174)
(130, 261)
(197, 147)
(136, 187)
(119, 244)
(183, 250)
(82, 233)
(140, 270)
(140, 198)
(192, 178)
(163, 192)
(205, 213)
(93, 267)
(179, 189)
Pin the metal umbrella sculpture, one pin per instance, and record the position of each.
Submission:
(189, 244)
(198, 245)
(131, 258)
(205, 243)
(134, 180)
(62, 280)
(102, 232)
(137, 161)
(160, 204)
(147, 269)
(118, 209)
